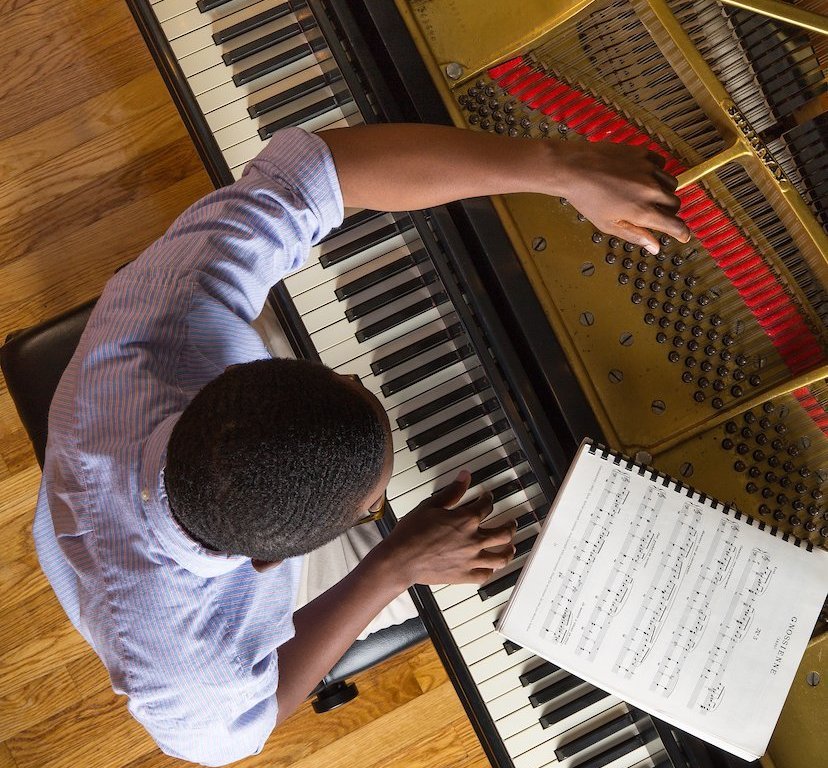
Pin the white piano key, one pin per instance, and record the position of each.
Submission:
(408, 499)
(443, 473)
(324, 293)
(409, 458)
(477, 627)
(527, 715)
(471, 609)
(500, 684)
(334, 310)
(245, 127)
(314, 274)
(349, 351)
(206, 69)
(517, 697)
(214, 87)
(249, 148)
(343, 331)
(374, 383)
(499, 664)
(452, 594)
(178, 17)
(202, 37)
(477, 649)
(235, 112)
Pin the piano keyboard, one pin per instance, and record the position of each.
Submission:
(373, 304)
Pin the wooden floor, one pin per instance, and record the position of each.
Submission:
(94, 165)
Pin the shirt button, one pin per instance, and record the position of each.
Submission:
(144, 494)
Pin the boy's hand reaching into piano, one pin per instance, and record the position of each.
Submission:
(440, 541)
(623, 190)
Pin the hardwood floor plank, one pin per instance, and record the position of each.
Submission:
(21, 580)
(6, 760)
(88, 257)
(89, 674)
(55, 648)
(440, 745)
(35, 700)
(86, 141)
(100, 732)
(50, 223)
(368, 742)
(106, 34)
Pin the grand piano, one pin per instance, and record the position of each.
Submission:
(498, 333)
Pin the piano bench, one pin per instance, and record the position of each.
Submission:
(333, 691)
(33, 360)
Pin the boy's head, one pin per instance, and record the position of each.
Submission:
(275, 458)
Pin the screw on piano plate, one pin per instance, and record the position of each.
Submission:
(587, 319)
(615, 376)
(642, 457)
(454, 71)
(686, 469)
(625, 339)
(658, 407)
(587, 269)
(597, 237)
(539, 244)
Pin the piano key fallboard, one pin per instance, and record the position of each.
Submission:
(378, 299)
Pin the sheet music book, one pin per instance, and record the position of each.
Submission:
(672, 601)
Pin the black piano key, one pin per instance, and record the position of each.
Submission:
(417, 348)
(592, 737)
(499, 585)
(385, 298)
(352, 222)
(262, 43)
(511, 647)
(363, 243)
(572, 707)
(209, 5)
(513, 486)
(553, 691)
(276, 63)
(441, 403)
(303, 115)
(254, 22)
(612, 754)
(525, 546)
(379, 275)
(429, 369)
(455, 422)
(291, 94)
(386, 324)
(536, 674)
(525, 520)
(496, 467)
(462, 445)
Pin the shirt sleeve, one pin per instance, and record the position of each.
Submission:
(237, 242)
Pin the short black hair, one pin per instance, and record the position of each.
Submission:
(272, 459)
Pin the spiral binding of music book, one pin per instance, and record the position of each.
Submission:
(667, 598)
(677, 485)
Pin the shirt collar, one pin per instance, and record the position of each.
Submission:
(173, 539)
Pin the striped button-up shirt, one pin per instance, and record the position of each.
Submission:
(188, 635)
